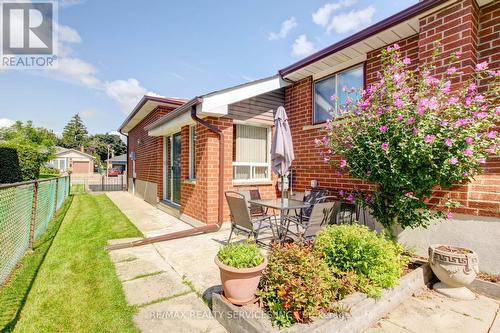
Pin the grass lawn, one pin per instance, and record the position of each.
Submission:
(76, 289)
(14, 291)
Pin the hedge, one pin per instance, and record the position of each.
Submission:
(19, 163)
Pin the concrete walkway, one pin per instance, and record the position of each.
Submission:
(432, 312)
(167, 280)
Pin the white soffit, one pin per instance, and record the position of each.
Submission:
(216, 103)
(173, 125)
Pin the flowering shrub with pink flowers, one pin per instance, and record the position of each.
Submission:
(411, 132)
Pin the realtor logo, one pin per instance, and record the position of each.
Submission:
(27, 36)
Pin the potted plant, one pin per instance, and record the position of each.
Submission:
(241, 266)
(456, 268)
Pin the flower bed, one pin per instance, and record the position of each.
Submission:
(343, 272)
(363, 310)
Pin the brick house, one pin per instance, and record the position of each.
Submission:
(174, 159)
(177, 156)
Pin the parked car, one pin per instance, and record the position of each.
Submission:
(113, 172)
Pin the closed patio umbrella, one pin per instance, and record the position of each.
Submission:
(281, 146)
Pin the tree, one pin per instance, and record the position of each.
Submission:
(98, 145)
(75, 133)
(41, 139)
(410, 133)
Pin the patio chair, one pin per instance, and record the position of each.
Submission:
(323, 213)
(253, 194)
(241, 219)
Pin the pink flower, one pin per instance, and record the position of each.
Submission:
(397, 78)
(469, 140)
(384, 146)
(341, 193)
(406, 61)
(453, 161)
(449, 215)
(482, 66)
(415, 131)
(481, 160)
(350, 198)
(479, 98)
(491, 149)
(400, 117)
(481, 115)
(446, 87)
(448, 142)
(343, 163)
(453, 100)
(333, 98)
(451, 70)
(383, 128)
(409, 194)
(444, 123)
(410, 121)
(398, 103)
(433, 104)
(396, 46)
(472, 87)
(429, 138)
(465, 174)
(492, 134)
(458, 54)
(468, 152)
(431, 80)
(461, 122)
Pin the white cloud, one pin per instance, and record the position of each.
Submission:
(302, 47)
(67, 34)
(77, 70)
(286, 26)
(123, 137)
(5, 122)
(127, 93)
(352, 21)
(323, 14)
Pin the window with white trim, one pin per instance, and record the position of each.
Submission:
(334, 85)
(251, 159)
(192, 152)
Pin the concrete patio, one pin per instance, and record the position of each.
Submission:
(169, 280)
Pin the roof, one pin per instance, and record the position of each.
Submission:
(119, 158)
(216, 102)
(145, 106)
(353, 49)
(62, 150)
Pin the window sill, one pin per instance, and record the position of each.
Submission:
(252, 182)
(190, 181)
(310, 127)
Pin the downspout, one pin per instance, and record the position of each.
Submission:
(220, 214)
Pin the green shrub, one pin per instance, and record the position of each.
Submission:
(48, 170)
(240, 255)
(27, 159)
(298, 285)
(10, 171)
(376, 261)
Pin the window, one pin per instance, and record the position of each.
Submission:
(251, 158)
(333, 85)
(192, 152)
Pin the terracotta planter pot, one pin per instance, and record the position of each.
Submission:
(455, 269)
(240, 284)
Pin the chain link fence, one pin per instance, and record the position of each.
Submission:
(25, 212)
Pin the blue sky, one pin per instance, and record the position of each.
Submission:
(112, 52)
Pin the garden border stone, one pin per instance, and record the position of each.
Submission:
(364, 311)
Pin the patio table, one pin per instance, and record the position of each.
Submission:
(283, 206)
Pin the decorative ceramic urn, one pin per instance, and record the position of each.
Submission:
(456, 268)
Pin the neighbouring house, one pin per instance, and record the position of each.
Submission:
(174, 148)
(118, 162)
(73, 160)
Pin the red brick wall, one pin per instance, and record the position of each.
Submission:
(460, 27)
(200, 199)
(149, 151)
